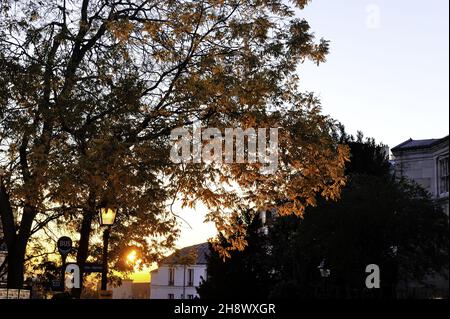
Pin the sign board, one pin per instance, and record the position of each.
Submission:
(93, 267)
(56, 285)
(105, 294)
(3, 293)
(64, 245)
(24, 294)
(13, 293)
(6, 293)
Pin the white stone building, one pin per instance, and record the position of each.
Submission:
(131, 290)
(426, 162)
(177, 279)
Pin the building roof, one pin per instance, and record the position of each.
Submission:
(418, 144)
(199, 251)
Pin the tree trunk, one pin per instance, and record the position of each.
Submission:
(83, 245)
(7, 217)
(18, 249)
(16, 242)
(16, 258)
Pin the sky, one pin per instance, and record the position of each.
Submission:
(387, 75)
(388, 70)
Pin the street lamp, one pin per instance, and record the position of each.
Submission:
(107, 216)
(324, 273)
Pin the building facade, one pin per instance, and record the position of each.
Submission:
(179, 276)
(131, 290)
(426, 162)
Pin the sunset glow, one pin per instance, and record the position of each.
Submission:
(131, 257)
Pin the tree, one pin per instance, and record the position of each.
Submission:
(90, 91)
(246, 274)
(378, 220)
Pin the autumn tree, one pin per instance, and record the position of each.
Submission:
(247, 274)
(90, 91)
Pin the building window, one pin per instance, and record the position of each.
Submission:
(190, 296)
(190, 277)
(171, 276)
(443, 176)
(171, 296)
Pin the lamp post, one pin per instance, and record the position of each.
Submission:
(107, 216)
(324, 273)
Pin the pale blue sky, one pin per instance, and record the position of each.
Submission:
(390, 81)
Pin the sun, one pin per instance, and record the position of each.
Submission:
(131, 257)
